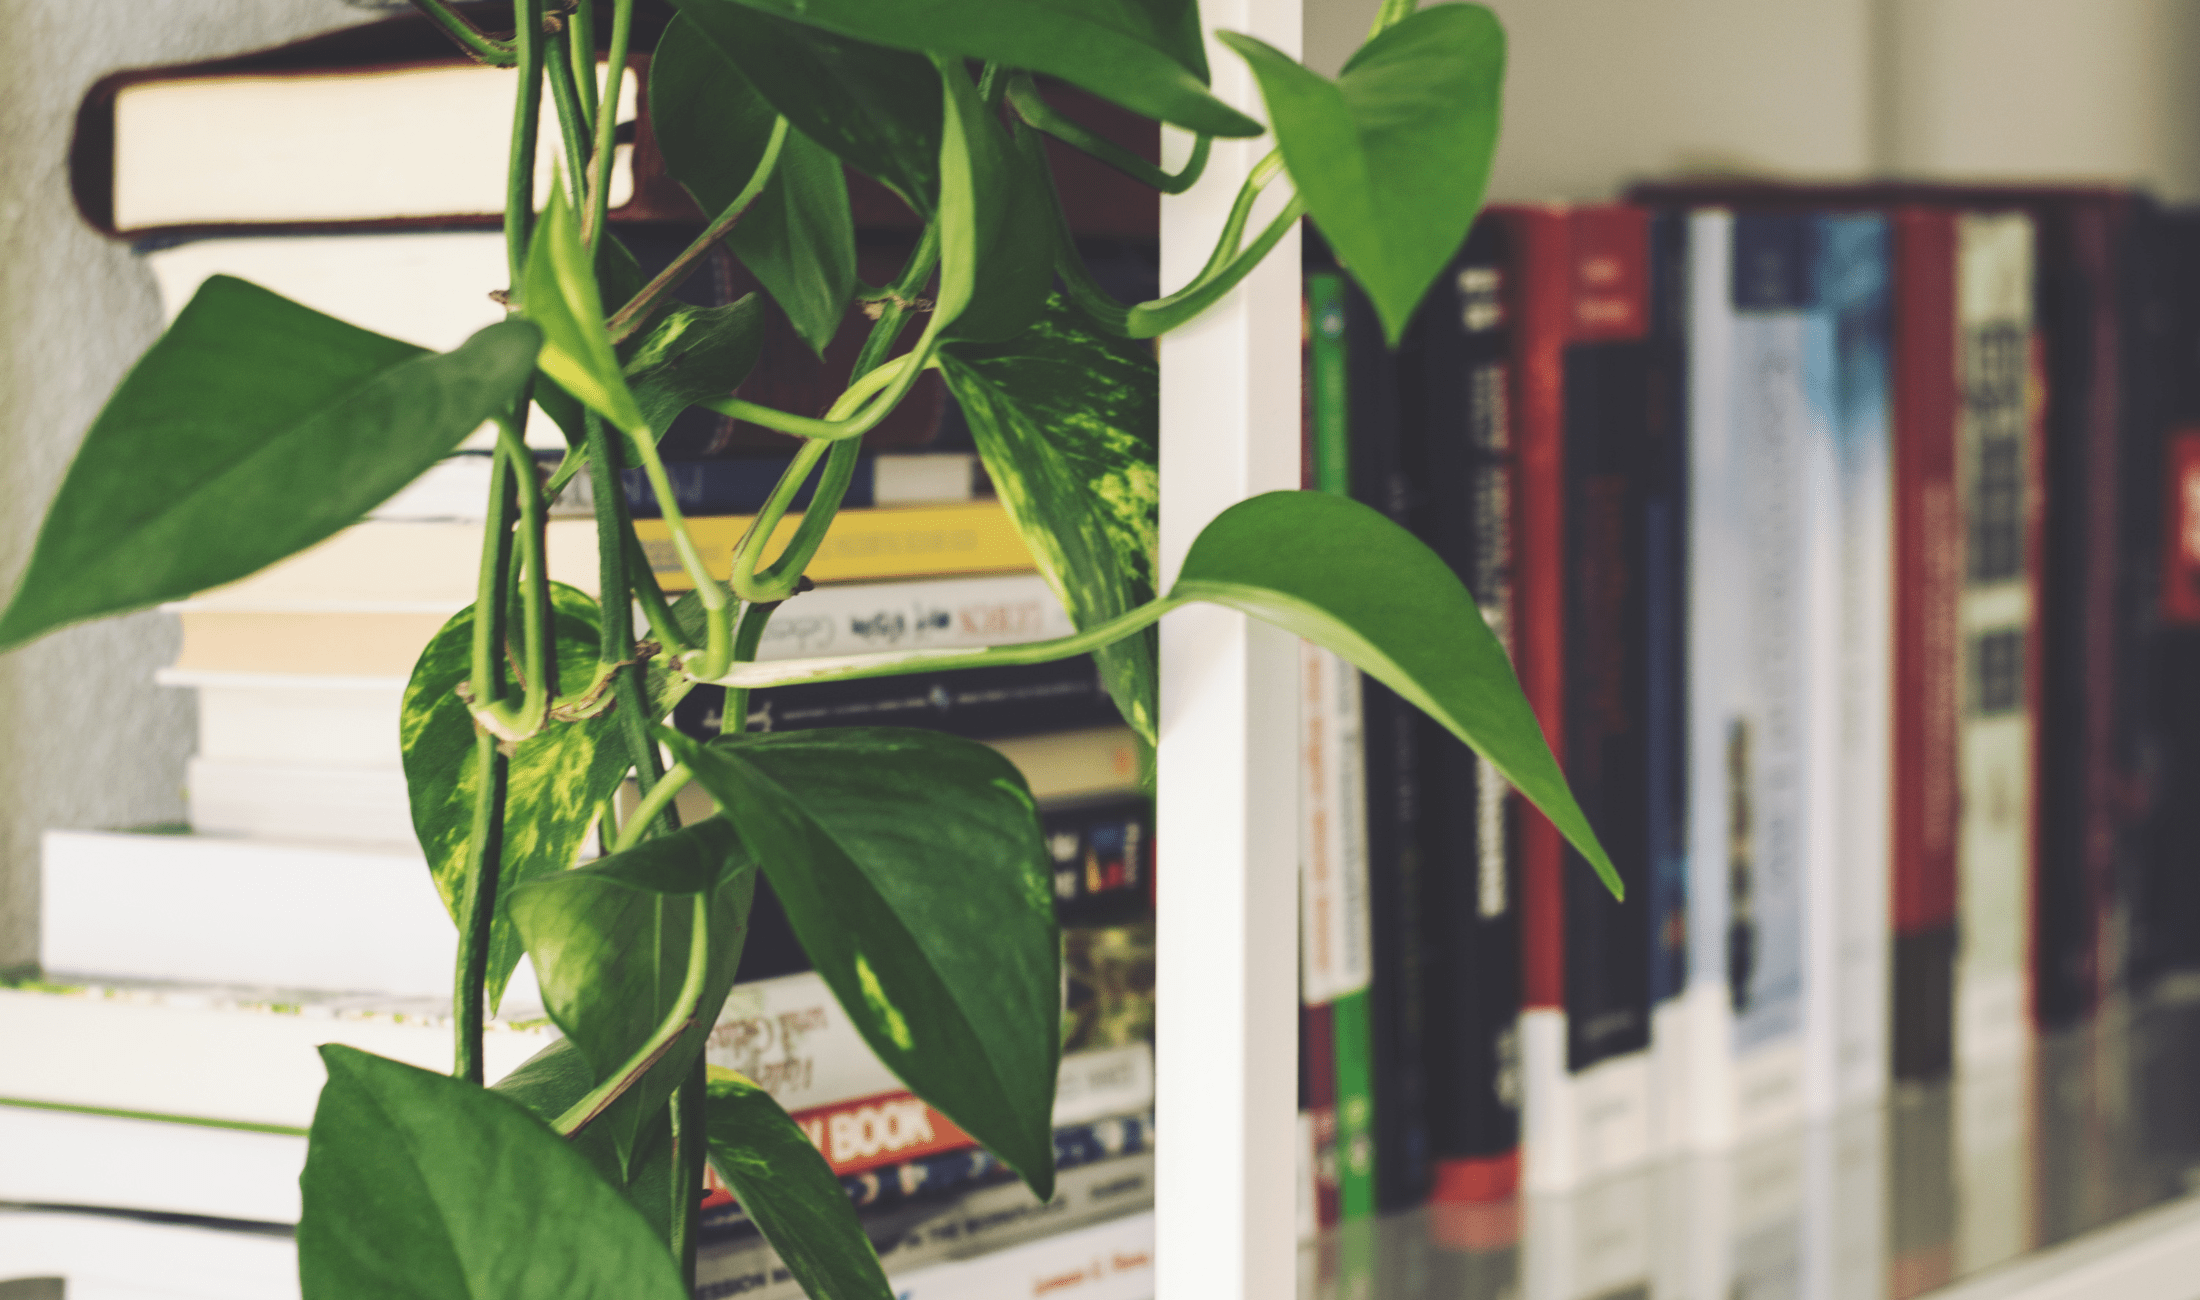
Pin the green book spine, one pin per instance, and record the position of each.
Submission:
(1328, 363)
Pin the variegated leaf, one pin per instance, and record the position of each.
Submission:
(559, 778)
(1067, 419)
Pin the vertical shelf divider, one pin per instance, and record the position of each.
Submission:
(1226, 821)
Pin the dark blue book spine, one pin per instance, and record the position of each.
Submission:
(734, 487)
(1665, 608)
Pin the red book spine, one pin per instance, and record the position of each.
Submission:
(1540, 305)
(1318, 1047)
(1928, 557)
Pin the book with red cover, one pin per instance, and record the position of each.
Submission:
(1928, 545)
(1580, 313)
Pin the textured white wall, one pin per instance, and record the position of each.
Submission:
(86, 739)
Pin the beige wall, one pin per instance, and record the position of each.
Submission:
(1603, 91)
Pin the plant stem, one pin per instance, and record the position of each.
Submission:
(615, 541)
(628, 318)
(572, 123)
(1032, 107)
(485, 48)
(478, 905)
(540, 665)
(651, 597)
(492, 600)
(733, 716)
(607, 121)
(580, 49)
(686, 1005)
(519, 171)
(1391, 12)
(652, 805)
(718, 646)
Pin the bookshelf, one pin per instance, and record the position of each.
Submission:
(1226, 990)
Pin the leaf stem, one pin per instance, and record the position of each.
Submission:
(628, 318)
(651, 597)
(838, 424)
(492, 596)
(686, 1006)
(733, 715)
(519, 171)
(1391, 13)
(485, 48)
(580, 49)
(689, 1122)
(636, 828)
(477, 907)
(708, 589)
(607, 122)
(846, 668)
(748, 551)
(1032, 107)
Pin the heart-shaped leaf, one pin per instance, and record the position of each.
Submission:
(910, 866)
(1344, 577)
(1144, 54)
(693, 353)
(561, 296)
(790, 1193)
(797, 237)
(429, 1187)
(996, 223)
(877, 109)
(550, 1081)
(612, 943)
(1392, 157)
(251, 430)
(1066, 417)
(558, 780)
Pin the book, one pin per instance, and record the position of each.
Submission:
(1113, 1260)
(1456, 413)
(981, 703)
(740, 485)
(1337, 957)
(1928, 544)
(884, 1187)
(219, 909)
(968, 1229)
(1853, 704)
(2000, 493)
(67, 1157)
(53, 1253)
(1750, 519)
(345, 129)
(1579, 305)
(431, 565)
(231, 1057)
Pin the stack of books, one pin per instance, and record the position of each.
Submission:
(1843, 538)
(296, 908)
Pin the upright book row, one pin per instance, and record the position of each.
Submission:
(1845, 544)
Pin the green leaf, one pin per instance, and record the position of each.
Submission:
(562, 298)
(790, 1193)
(693, 353)
(878, 109)
(797, 237)
(1066, 417)
(1392, 157)
(254, 428)
(1344, 577)
(911, 869)
(799, 240)
(618, 278)
(550, 1081)
(1143, 54)
(611, 946)
(559, 777)
(996, 223)
(433, 1188)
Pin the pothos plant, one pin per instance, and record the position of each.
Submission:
(909, 863)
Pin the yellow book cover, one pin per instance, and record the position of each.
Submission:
(887, 542)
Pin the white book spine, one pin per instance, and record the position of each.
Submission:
(1994, 860)
(1714, 544)
(1336, 926)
